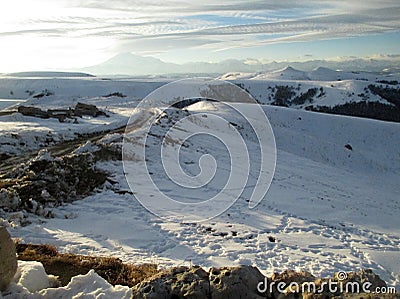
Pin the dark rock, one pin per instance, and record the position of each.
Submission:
(33, 111)
(86, 109)
(349, 147)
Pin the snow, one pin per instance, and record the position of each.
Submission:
(32, 276)
(318, 74)
(42, 74)
(88, 286)
(328, 209)
(32, 282)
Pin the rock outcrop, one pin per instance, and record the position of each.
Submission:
(235, 282)
(195, 282)
(8, 258)
(80, 110)
(87, 109)
(33, 111)
(248, 282)
(45, 182)
(179, 282)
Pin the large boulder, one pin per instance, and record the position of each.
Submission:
(195, 282)
(235, 282)
(8, 258)
(289, 279)
(178, 282)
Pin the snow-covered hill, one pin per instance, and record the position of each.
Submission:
(43, 74)
(333, 203)
(317, 74)
(361, 94)
(321, 89)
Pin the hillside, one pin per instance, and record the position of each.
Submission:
(360, 94)
(332, 205)
(46, 74)
(323, 90)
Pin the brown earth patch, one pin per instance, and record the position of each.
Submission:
(66, 266)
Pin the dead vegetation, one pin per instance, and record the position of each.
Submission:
(66, 266)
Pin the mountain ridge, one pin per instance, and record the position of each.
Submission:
(131, 64)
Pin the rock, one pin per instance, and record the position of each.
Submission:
(9, 199)
(361, 277)
(195, 282)
(289, 279)
(62, 114)
(178, 282)
(45, 182)
(33, 111)
(8, 259)
(235, 282)
(86, 109)
(349, 147)
(348, 285)
(289, 276)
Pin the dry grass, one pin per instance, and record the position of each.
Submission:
(66, 266)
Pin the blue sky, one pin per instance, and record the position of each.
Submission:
(71, 34)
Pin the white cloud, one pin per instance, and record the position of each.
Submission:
(157, 26)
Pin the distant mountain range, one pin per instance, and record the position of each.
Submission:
(130, 64)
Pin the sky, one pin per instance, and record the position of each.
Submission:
(72, 34)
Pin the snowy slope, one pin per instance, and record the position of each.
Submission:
(22, 88)
(317, 74)
(287, 73)
(329, 93)
(328, 209)
(332, 87)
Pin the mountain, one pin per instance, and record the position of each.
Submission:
(130, 64)
(287, 73)
(134, 65)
